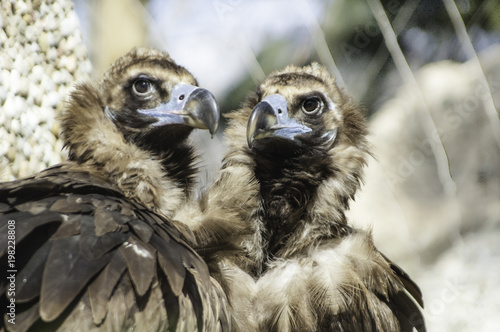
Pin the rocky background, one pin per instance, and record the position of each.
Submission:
(41, 56)
(445, 231)
(431, 196)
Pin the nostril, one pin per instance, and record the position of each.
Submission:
(181, 97)
(280, 111)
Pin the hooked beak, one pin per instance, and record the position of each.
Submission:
(270, 119)
(189, 105)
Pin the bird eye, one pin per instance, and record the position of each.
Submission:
(311, 105)
(142, 87)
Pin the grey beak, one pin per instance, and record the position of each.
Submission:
(189, 105)
(270, 119)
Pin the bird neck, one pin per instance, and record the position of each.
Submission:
(178, 164)
(177, 159)
(299, 209)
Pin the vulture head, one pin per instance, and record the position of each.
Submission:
(307, 140)
(301, 115)
(154, 102)
(136, 122)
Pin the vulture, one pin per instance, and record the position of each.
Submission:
(92, 244)
(280, 244)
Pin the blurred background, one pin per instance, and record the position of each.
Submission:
(427, 72)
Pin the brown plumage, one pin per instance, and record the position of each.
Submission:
(296, 155)
(96, 245)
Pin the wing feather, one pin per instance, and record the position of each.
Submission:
(170, 264)
(71, 226)
(29, 279)
(101, 289)
(93, 246)
(141, 263)
(141, 229)
(25, 223)
(409, 284)
(67, 272)
(105, 221)
(82, 246)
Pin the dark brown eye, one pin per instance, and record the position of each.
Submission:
(142, 87)
(311, 105)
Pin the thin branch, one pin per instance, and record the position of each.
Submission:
(320, 44)
(379, 59)
(463, 37)
(406, 73)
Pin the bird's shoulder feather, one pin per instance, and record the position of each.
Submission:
(345, 284)
(81, 245)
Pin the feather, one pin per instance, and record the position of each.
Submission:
(29, 279)
(72, 204)
(101, 288)
(71, 226)
(409, 314)
(284, 306)
(141, 263)
(170, 263)
(36, 207)
(66, 273)
(409, 284)
(26, 223)
(192, 291)
(170, 299)
(91, 246)
(4, 207)
(141, 229)
(105, 221)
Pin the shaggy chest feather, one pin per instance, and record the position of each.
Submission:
(287, 190)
